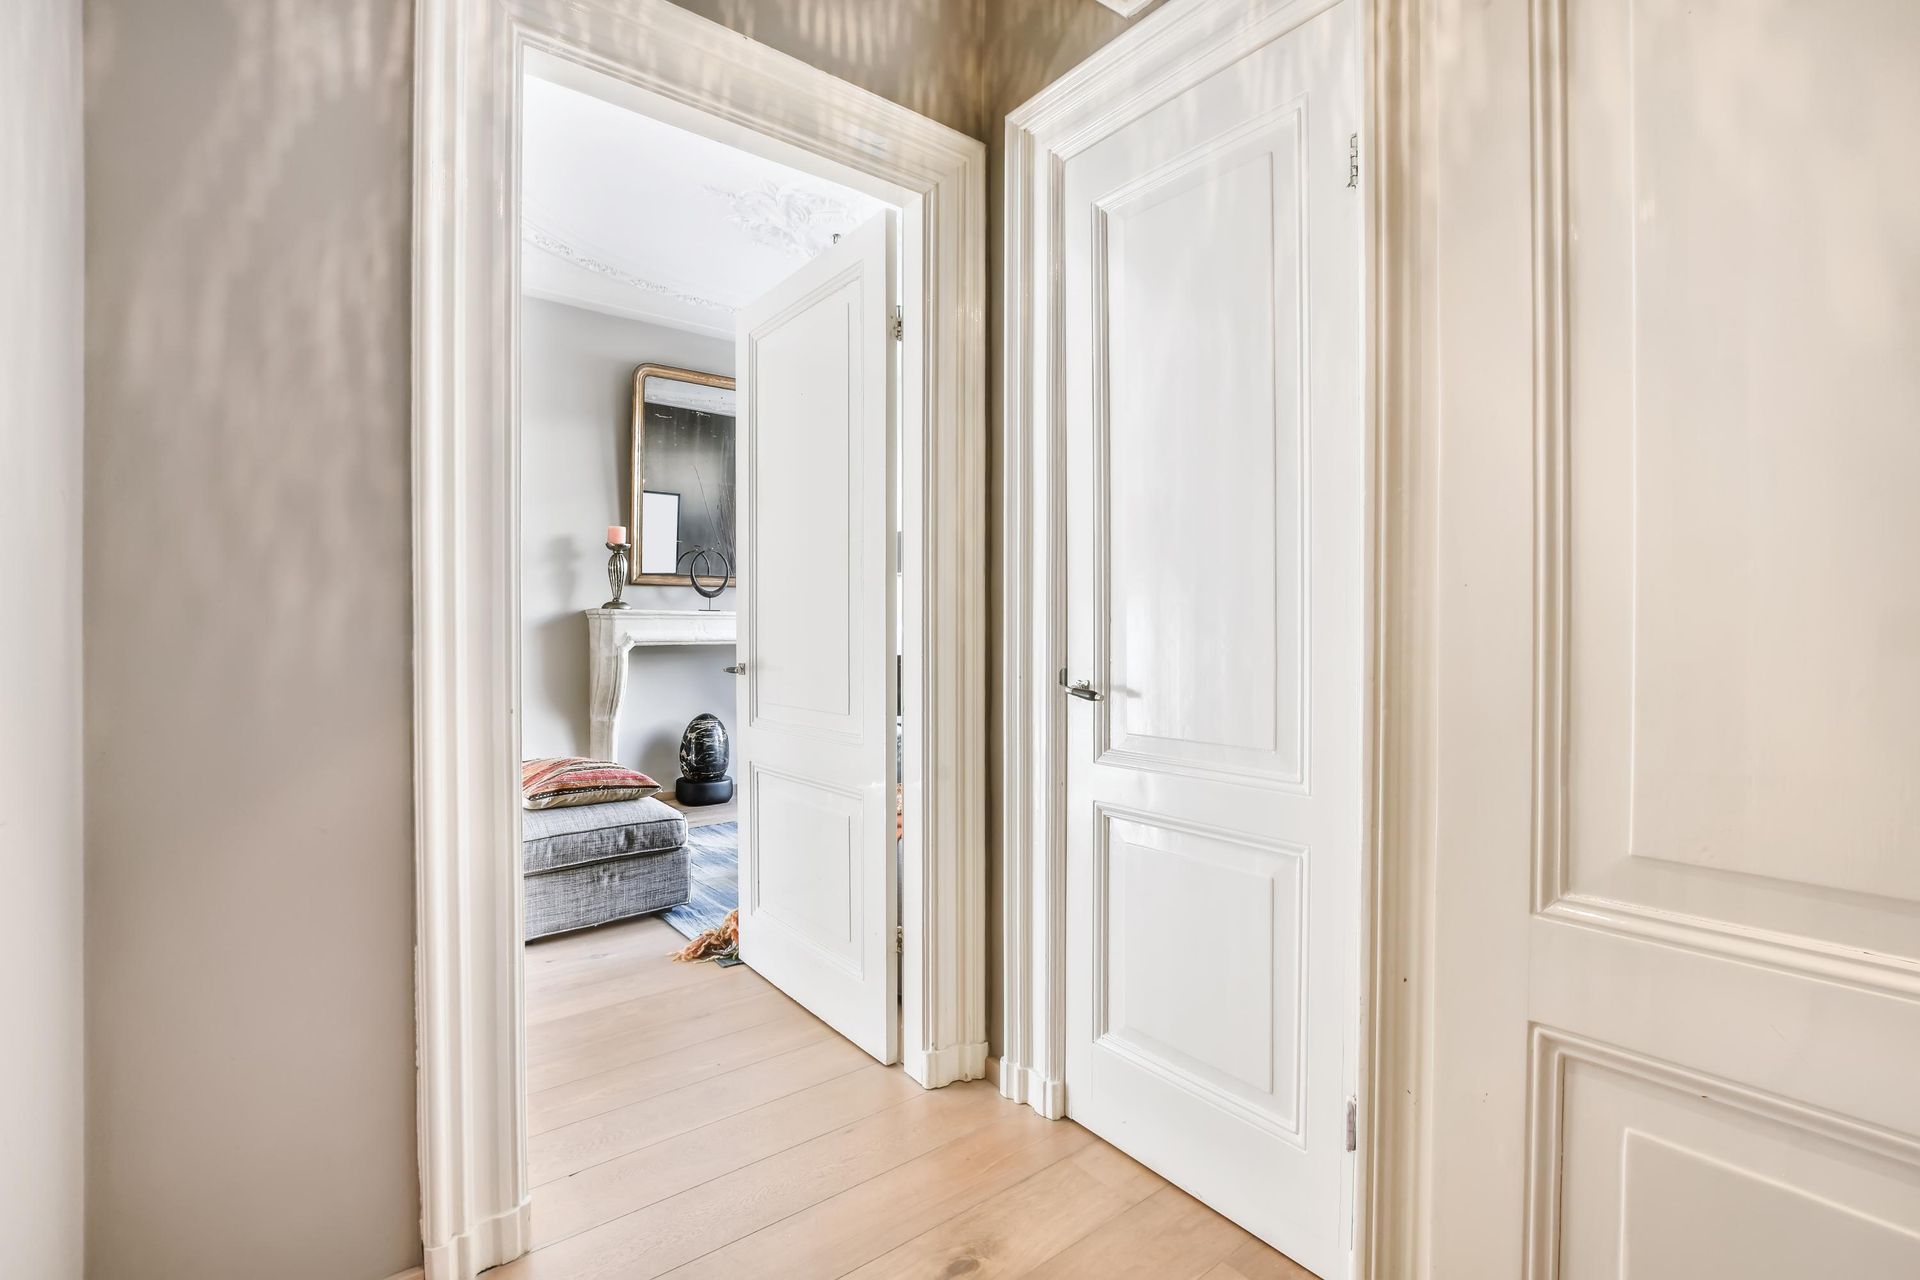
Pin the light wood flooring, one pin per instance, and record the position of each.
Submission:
(689, 1120)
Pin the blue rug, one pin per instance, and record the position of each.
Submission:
(714, 852)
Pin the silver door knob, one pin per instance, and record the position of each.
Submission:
(1082, 689)
(738, 668)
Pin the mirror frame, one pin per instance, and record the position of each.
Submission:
(637, 463)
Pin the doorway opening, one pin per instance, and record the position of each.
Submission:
(711, 731)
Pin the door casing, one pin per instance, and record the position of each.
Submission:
(696, 74)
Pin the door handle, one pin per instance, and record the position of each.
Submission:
(737, 669)
(1084, 690)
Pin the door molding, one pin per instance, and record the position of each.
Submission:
(469, 55)
(1167, 52)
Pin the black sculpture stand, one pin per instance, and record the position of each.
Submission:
(696, 791)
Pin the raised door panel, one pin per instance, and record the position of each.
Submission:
(1671, 1175)
(806, 878)
(809, 476)
(1156, 886)
(1204, 655)
(1743, 621)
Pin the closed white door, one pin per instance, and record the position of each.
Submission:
(1676, 310)
(1216, 517)
(816, 587)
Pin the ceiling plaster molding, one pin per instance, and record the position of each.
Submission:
(547, 242)
(791, 219)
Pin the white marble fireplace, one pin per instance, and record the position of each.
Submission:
(611, 633)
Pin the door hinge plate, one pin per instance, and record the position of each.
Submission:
(897, 326)
(1353, 1124)
(899, 939)
(1353, 160)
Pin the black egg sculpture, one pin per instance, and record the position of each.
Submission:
(703, 763)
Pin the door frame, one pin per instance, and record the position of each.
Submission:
(469, 55)
(1170, 50)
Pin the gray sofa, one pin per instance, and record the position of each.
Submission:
(592, 863)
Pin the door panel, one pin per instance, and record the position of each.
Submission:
(1215, 536)
(818, 909)
(1678, 934)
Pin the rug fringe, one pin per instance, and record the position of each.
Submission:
(714, 944)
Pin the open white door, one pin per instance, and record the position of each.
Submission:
(1216, 569)
(815, 740)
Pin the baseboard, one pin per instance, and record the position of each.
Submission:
(489, 1243)
(1027, 1086)
(411, 1273)
(947, 1066)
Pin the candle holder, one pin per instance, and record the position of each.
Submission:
(617, 563)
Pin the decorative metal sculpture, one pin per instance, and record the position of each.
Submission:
(702, 558)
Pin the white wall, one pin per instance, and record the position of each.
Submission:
(576, 372)
(42, 1068)
(250, 1106)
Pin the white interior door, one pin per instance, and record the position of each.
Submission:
(815, 747)
(1676, 1013)
(1216, 514)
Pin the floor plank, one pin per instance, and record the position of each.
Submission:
(693, 1121)
(1025, 1225)
(651, 1077)
(1167, 1236)
(617, 1187)
(852, 1228)
(573, 1147)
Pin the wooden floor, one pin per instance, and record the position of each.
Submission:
(689, 1120)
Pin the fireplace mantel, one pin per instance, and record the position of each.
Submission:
(612, 632)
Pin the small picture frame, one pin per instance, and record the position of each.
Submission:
(659, 532)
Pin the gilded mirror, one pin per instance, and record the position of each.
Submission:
(681, 473)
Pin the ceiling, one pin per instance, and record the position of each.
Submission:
(624, 214)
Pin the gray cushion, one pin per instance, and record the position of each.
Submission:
(568, 837)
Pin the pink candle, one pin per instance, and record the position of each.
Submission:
(617, 535)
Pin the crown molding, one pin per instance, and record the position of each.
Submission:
(547, 242)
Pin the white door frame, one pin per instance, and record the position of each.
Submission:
(1167, 52)
(468, 58)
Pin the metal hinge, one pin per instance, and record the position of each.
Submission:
(1353, 160)
(899, 939)
(899, 326)
(1353, 1124)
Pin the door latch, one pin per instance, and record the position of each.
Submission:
(1083, 689)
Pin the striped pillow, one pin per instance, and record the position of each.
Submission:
(558, 781)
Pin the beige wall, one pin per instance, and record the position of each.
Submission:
(250, 865)
(248, 727)
(41, 1069)
(924, 54)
